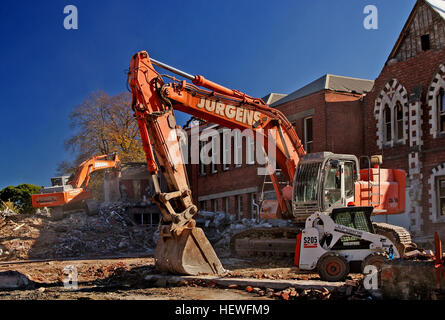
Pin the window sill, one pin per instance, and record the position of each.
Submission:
(439, 219)
(394, 144)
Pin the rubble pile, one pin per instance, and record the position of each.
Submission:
(352, 290)
(7, 212)
(109, 233)
(219, 227)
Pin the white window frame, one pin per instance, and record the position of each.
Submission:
(437, 174)
(250, 150)
(396, 123)
(385, 123)
(239, 206)
(439, 112)
(214, 156)
(238, 148)
(306, 141)
(253, 198)
(202, 168)
(214, 205)
(227, 149)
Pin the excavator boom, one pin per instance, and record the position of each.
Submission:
(183, 248)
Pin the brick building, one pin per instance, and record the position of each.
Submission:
(321, 111)
(327, 113)
(400, 115)
(405, 115)
(226, 187)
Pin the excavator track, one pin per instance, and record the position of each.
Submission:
(280, 242)
(398, 235)
(258, 242)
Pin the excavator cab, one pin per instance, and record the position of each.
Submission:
(323, 181)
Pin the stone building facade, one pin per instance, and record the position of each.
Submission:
(405, 115)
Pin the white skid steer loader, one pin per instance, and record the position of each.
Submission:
(329, 243)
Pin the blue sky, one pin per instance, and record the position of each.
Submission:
(254, 46)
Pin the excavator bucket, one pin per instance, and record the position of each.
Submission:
(187, 253)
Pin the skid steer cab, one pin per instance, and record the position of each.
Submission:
(330, 243)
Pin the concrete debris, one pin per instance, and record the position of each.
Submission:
(111, 232)
(220, 227)
(14, 280)
(342, 293)
(282, 290)
(410, 280)
(18, 227)
(7, 212)
(44, 212)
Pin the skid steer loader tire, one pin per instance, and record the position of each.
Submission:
(332, 267)
(376, 259)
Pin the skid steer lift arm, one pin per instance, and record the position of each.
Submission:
(182, 247)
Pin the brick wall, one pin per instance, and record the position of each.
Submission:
(314, 101)
(337, 120)
(412, 73)
(337, 126)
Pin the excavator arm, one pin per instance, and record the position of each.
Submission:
(182, 247)
(81, 177)
(76, 188)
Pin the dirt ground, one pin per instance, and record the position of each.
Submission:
(40, 249)
(114, 279)
(123, 278)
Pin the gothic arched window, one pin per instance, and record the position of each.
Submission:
(441, 110)
(388, 123)
(398, 111)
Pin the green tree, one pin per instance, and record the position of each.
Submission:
(20, 196)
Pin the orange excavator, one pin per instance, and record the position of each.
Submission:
(315, 182)
(67, 191)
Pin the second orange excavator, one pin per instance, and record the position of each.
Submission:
(66, 191)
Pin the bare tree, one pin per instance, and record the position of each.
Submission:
(103, 124)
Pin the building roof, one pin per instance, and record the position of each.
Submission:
(437, 5)
(272, 97)
(329, 82)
